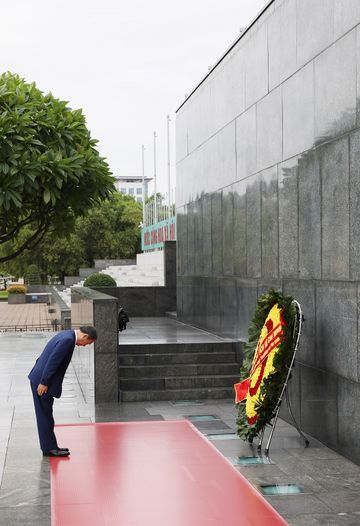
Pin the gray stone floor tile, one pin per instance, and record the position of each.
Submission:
(25, 515)
(339, 502)
(338, 519)
(294, 505)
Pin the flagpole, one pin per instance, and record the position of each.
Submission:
(168, 163)
(155, 196)
(143, 180)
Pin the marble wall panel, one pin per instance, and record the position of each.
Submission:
(199, 116)
(239, 218)
(191, 246)
(346, 16)
(253, 229)
(182, 243)
(282, 43)
(217, 233)
(334, 168)
(105, 321)
(256, 57)
(179, 294)
(355, 206)
(217, 166)
(319, 404)
(188, 292)
(213, 311)
(304, 292)
(228, 231)
(246, 163)
(198, 236)
(247, 296)
(107, 381)
(309, 216)
(207, 238)
(294, 396)
(298, 112)
(314, 28)
(335, 88)
(185, 176)
(269, 224)
(269, 130)
(358, 76)
(229, 307)
(336, 328)
(288, 219)
(200, 305)
(228, 89)
(181, 134)
(348, 401)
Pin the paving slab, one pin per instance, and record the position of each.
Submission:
(331, 482)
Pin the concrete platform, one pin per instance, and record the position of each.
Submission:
(331, 483)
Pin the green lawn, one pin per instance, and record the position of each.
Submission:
(3, 294)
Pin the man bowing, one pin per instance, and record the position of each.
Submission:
(46, 379)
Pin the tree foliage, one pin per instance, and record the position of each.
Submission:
(109, 230)
(50, 170)
(32, 275)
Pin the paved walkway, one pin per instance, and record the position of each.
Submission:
(24, 316)
(331, 483)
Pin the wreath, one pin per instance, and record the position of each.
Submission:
(267, 358)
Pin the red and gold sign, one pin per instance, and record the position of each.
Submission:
(262, 364)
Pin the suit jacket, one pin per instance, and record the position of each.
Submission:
(50, 367)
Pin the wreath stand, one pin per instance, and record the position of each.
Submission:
(296, 337)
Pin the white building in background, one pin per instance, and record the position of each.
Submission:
(133, 185)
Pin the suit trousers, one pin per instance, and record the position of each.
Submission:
(44, 419)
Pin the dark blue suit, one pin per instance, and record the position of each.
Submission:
(50, 369)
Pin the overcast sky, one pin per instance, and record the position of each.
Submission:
(126, 63)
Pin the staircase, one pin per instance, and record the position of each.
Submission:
(178, 371)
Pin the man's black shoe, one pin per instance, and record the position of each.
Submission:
(63, 448)
(56, 453)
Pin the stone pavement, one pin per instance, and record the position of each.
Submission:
(24, 316)
(330, 482)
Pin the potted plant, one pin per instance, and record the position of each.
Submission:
(16, 293)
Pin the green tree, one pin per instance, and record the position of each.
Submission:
(50, 170)
(32, 275)
(108, 230)
(62, 256)
(111, 230)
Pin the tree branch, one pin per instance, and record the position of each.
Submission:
(31, 242)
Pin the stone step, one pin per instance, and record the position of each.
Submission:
(183, 382)
(177, 347)
(164, 371)
(177, 358)
(217, 393)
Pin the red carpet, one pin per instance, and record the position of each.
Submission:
(149, 474)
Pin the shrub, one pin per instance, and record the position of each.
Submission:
(32, 275)
(99, 280)
(17, 288)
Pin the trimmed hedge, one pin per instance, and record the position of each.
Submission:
(98, 279)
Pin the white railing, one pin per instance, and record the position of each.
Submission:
(154, 212)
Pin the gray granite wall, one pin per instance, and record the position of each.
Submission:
(96, 365)
(268, 195)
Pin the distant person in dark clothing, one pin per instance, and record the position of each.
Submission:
(123, 319)
(46, 379)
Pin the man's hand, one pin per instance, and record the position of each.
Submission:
(41, 389)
